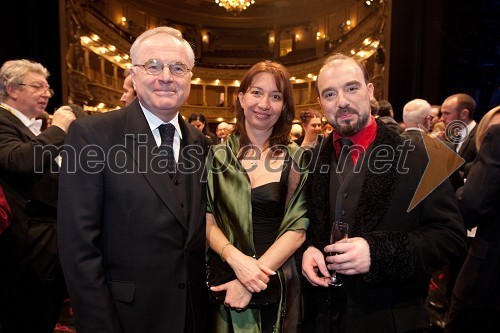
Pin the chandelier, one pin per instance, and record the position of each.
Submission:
(235, 6)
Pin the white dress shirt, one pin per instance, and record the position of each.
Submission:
(34, 125)
(463, 134)
(154, 122)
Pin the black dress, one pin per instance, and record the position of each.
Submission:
(268, 210)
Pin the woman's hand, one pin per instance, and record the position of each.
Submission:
(313, 261)
(237, 296)
(252, 274)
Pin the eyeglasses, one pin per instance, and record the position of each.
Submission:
(39, 87)
(155, 67)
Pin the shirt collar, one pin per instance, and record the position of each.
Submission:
(33, 124)
(363, 139)
(414, 129)
(154, 121)
(471, 125)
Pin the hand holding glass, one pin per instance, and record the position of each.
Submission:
(339, 232)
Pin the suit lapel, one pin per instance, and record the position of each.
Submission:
(140, 142)
(468, 141)
(16, 122)
(377, 187)
(193, 154)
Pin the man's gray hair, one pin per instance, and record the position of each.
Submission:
(162, 30)
(13, 72)
(415, 112)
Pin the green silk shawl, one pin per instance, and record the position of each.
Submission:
(229, 200)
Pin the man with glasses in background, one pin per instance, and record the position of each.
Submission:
(131, 226)
(31, 280)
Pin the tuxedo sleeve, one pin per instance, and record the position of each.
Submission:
(429, 236)
(439, 240)
(18, 156)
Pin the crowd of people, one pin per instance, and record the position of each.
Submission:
(152, 223)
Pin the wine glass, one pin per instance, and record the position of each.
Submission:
(339, 232)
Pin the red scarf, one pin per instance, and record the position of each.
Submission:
(361, 140)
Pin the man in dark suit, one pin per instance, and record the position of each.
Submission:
(132, 206)
(129, 94)
(391, 251)
(385, 113)
(416, 113)
(31, 281)
(458, 110)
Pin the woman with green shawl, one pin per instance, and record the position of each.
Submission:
(256, 216)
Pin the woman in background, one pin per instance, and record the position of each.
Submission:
(311, 123)
(199, 121)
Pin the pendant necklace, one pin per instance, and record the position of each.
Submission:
(258, 157)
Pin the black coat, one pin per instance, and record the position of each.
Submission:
(405, 247)
(31, 281)
(478, 283)
(132, 240)
(468, 152)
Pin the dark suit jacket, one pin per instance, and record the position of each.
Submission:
(132, 240)
(31, 277)
(405, 247)
(468, 152)
(478, 282)
(468, 149)
(29, 177)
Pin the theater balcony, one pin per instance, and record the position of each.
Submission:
(299, 34)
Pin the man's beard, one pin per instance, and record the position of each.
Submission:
(350, 127)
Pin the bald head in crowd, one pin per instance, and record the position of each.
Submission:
(222, 131)
(417, 112)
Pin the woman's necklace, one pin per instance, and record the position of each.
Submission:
(254, 154)
(258, 156)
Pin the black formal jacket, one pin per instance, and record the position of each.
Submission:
(468, 152)
(468, 149)
(29, 177)
(478, 284)
(405, 247)
(132, 240)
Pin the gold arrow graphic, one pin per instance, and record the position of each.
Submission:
(443, 161)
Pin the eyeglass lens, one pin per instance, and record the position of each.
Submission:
(38, 87)
(155, 67)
